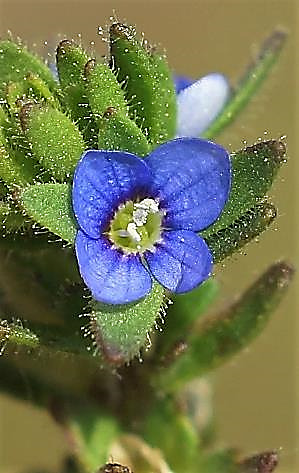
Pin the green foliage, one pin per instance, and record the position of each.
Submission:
(120, 332)
(184, 310)
(55, 140)
(11, 219)
(33, 88)
(147, 83)
(103, 90)
(94, 432)
(41, 341)
(227, 333)
(16, 335)
(101, 393)
(12, 170)
(253, 171)
(227, 241)
(15, 169)
(50, 206)
(168, 427)
(119, 132)
(16, 62)
(71, 60)
(248, 86)
(220, 462)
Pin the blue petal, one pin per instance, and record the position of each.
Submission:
(193, 178)
(112, 277)
(181, 82)
(102, 181)
(181, 262)
(199, 104)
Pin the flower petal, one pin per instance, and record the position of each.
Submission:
(181, 262)
(200, 103)
(112, 277)
(102, 181)
(192, 177)
(181, 82)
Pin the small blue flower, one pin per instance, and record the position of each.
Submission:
(199, 102)
(138, 217)
(182, 82)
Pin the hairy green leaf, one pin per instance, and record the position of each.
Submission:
(55, 140)
(16, 170)
(16, 62)
(253, 171)
(182, 313)
(119, 132)
(120, 331)
(50, 206)
(147, 82)
(103, 90)
(71, 60)
(222, 336)
(227, 241)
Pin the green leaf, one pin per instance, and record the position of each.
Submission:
(147, 82)
(93, 432)
(50, 206)
(41, 339)
(55, 140)
(222, 336)
(13, 92)
(255, 76)
(16, 62)
(37, 88)
(15, 334)
(119, 132)
(222, 461)
(71, 60)
(103, 90)
(253, 171)
(167, 427)
(227, 241)
(183, 312)
(33, 88)
(15, 169)
(11, 219)
(120, 331)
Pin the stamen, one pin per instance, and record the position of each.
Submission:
(143, 209)
(136, 226)
(131, 229)
(150, 205)
(140, 217)
(123, 233)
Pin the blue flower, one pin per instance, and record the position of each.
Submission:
(138, 217)
(199, 102)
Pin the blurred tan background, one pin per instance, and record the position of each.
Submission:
(255, 394)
